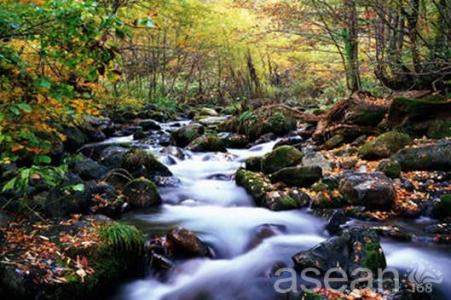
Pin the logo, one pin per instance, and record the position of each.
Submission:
(423, 276)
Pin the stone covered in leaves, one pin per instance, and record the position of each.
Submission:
(385, 145)
(282, 157)
(67, 259)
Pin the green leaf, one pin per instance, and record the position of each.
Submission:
(42, 159)
(9, 185)
(146, 22)
(43, 82)
(78, 187)
(25, 107)
(15, 110)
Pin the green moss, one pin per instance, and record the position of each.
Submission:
(319, 187)
(442, 209)
(281, 124)
(187, 134)
(207, 142)
(282, 157)
(254, 183)
(298, 176)
(370, 118)
(334, 141)
(374, 258)
(328, 200)
(122, 237)
(254, 163)
(312, 296)
(438, 129)
(390, 168)
(136, 160)
(385, 145)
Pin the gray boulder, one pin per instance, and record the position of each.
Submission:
(372, 190)
(429, 157)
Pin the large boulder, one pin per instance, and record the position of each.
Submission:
(353, 249)
(282, 157)
(75, 138)
(141, 193)
(316, 159)
(385, 145)
(372, 190)
(436, 156)
(298, 176)
(207, 143)
(89, 169)
(112, 156)
(70, 197)
(185, 135)
(142, 163)
(184, 243)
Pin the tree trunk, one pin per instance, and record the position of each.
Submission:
(352, 45)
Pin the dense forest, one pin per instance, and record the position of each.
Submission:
(225, 149)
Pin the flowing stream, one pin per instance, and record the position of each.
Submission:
(248, 241)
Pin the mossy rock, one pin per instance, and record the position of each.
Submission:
(385, 145)
(334, 142)
(286, 200)
(254, 163)
(280, 124)
(430, 157)
(442, 208)
(298, 176)
(141, 193)
(185, 135)
(236, 141)
(142, 163)
(207, 143)
(390, 168)
(326, 199)
(254, 183)
(405, 111)
(438, 129)
(260, 123)
(282, 157)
